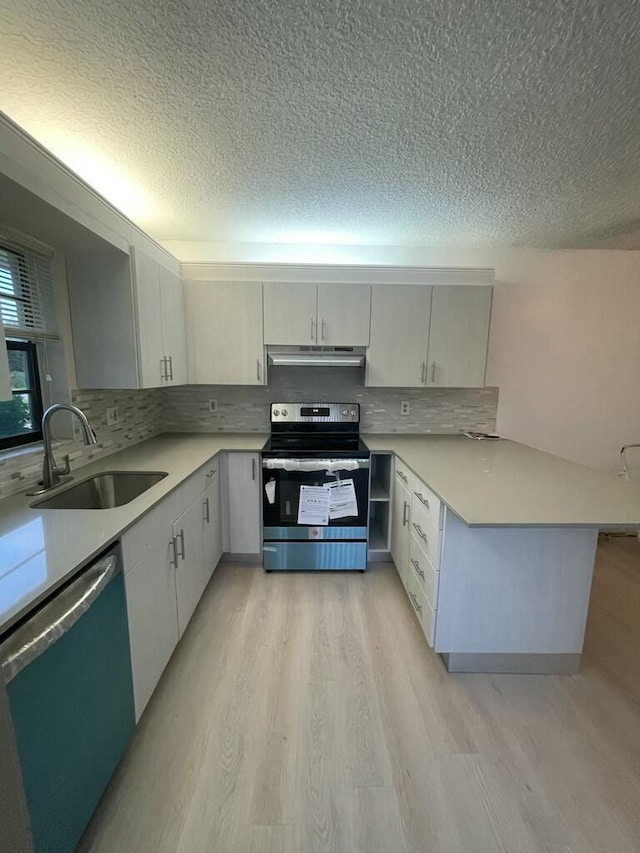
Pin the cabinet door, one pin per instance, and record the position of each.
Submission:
(151, 604)
(211, 526)
(400, 514)
(244, 503)
(187, 531)
(5, 376)
(224, 333)
(397, 355)
(146, 275)
(344, 314)
(173, 330)
(458, 336)
(290, 313)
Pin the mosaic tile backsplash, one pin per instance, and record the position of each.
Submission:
(140, 418)
(246, 409)
(144, 414)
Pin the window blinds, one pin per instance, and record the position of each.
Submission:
(27, 300)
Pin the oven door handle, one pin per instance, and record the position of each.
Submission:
(331, 465)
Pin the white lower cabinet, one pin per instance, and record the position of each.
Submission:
(169, 556)
(151, 599)
(187, 561)
(243, 477)
(400, 523)
(415, 543)
(211, 525)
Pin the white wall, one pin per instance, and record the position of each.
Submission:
(565, 352)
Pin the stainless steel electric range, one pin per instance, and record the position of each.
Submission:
(315, 488)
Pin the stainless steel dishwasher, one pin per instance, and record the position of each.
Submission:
(67, 670)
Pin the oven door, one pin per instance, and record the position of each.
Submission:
(281, 482)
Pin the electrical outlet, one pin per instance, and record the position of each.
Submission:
(213, 405)
(113, 416)
(404, 407)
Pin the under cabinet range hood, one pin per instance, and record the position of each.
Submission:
(306, 356)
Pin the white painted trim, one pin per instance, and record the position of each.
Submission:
(28, 163)
(338, 274)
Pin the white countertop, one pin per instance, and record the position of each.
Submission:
(486, 483)
(505, 484)
(41, 548)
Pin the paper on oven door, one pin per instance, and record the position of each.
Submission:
(270, 490)
(342, 499)
(313, 506)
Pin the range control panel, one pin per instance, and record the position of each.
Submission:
(318, 413)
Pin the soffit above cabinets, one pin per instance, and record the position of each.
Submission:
(408, 123)
(335, 274)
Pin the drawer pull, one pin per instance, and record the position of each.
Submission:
(420, 531)
(402, 476)
(414, 601)
(405, 514)
(416, 566)
(422, 499)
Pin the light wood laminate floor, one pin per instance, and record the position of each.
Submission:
(305, 712)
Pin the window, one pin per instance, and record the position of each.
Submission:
(27, 312)
(20, 418)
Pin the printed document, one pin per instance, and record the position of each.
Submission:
(342, 502)
(313, 506)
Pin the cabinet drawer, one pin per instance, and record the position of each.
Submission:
(425, 505)
(404, 476)
(426, 574)
(426, 615)
(427, 537)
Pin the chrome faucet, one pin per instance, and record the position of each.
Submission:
(52, 476)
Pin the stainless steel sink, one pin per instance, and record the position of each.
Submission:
(104, 491)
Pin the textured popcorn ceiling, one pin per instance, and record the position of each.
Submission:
(409, 122)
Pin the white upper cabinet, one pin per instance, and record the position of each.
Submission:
(458, 336)
(290, 313)
(344, 314)
(397, 354)
(224, 333)
(173, 328)
(5, 376)
(160, 316)
(323, 314)
(127, 312)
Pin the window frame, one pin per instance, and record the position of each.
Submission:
(34, 391)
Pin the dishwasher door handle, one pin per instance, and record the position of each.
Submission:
(57, 617)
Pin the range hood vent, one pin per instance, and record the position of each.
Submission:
(303, 356)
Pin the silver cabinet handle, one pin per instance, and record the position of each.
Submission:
(258, 369)
(323, 325)
(420, 531)
(174, 562)
(207, 516)
(422, 499)
(180, 536)
(416, 566)
(313, 331)
(164, 370)
(211, 473)
(424, 367)
(253, 467)
(405, 518)
(171, 368)
(414, 601)
(433, 371)
(401, 475)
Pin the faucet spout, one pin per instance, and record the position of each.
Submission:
(51, 474)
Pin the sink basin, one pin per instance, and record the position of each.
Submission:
(104, 491)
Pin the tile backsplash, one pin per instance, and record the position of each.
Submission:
(140, 418)
(246, 409)
(144, 414)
